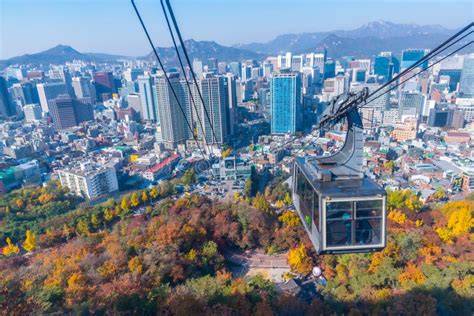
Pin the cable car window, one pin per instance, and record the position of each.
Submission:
(339, 210)
(339, 223)
(368, 223)
(369, 208)
(305, 194)
(316, 211)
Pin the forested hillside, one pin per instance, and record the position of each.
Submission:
(109, 259)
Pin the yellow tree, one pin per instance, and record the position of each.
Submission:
(134, 201)
(66, 231)
(226, 152)
(260, 203)
(19, 203)
(144, 197)
(10, 248)
(135, 265)
(236, 196)
(108, 215)
(279, 204)
(125, 205)
(154, 192)
(298, 260)
(30, 242)
(287, 200)
(290, 219)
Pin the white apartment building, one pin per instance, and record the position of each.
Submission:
(89, 180)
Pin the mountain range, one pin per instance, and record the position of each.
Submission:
(364, 41)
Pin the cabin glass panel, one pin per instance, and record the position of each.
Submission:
(306, 198)
(356, 223)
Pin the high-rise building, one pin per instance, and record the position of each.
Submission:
(83, 110)
(32, 112)
(132, 74)
(246, 72)
(286, 114)
(68, 112)
(329, 69)
(411, 103)
(174, 129)
(197, 68)
(17, 93)
(82, 88)
(62, 112)
(230, 82)
(466, 85)
(236, 69)
(25, 93)
(215, 93)
(49, 91)
(385, 65)
(133, 100)
(6, 107)
(267, 69)
(15, 73)
(104, 85)
(411, 56)
(212, 64)
(264, 97)
(147, 98)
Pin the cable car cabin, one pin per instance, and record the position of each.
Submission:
(342, 210)
(340, 216)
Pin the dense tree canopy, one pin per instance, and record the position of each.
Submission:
(171, 259)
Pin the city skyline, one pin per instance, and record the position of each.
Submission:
(122, 34)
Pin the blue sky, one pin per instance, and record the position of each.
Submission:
(110, 26)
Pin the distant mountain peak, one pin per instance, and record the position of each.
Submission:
(61, 50)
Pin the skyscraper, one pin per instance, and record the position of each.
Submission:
(83, 88)
(174, 129)
(235, 68)
(231, 108)
(329, 69)
(62, 112)
(410, 103)
(286, 103)
(466, 87)
(32, 112)
(6, 107)
(215, 93)
(197, 68)
(68, 112)
(147, 98)
(104, 85)
(411, 56)
(49, 91)
(385, 65)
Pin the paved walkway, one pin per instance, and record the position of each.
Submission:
(257, 259)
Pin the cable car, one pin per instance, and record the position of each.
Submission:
(342, 210)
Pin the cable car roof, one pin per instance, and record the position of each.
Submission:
(353, 188)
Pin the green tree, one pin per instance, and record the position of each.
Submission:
(189, 177)
(248, 187)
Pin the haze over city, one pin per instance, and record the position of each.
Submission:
(29, 26)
